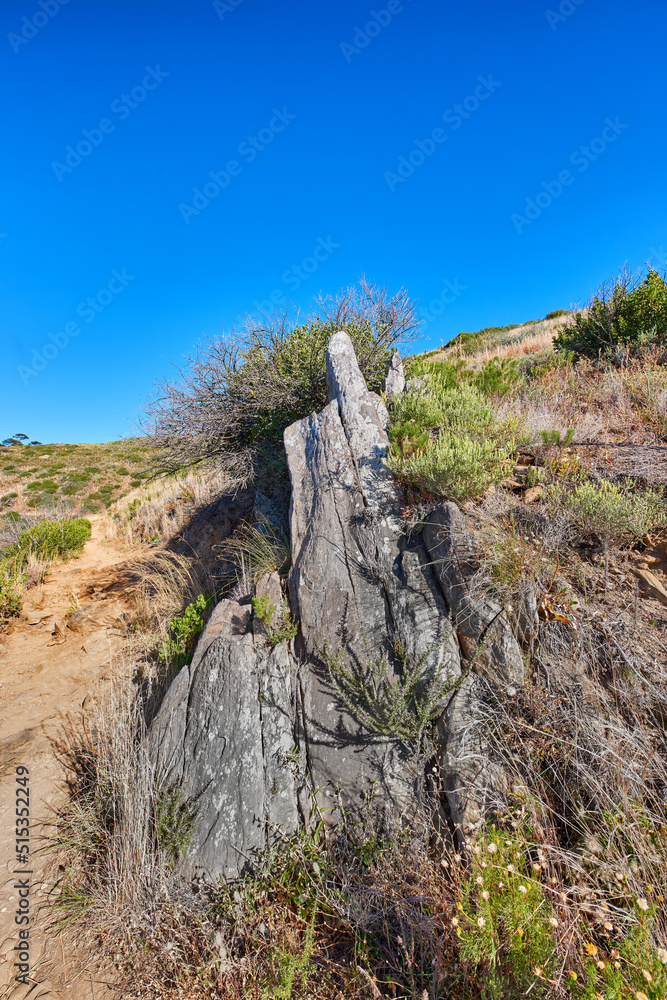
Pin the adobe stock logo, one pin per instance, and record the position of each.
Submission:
(363, 36)
(122, 106)
(31, 26)
(251, 146)
(436, 307)
(222, 8)
(295, 275)
(582, 157)
(454, 117)
(565, 9)
(88, 311)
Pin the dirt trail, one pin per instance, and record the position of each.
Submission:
(49, 661)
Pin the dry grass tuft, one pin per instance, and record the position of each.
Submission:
(159, 511)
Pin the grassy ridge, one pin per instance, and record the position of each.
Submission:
(83, 478)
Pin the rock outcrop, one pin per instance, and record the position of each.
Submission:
(395, 381)
(449, 539)
(356, 586)
(226, 736)
(256, 735)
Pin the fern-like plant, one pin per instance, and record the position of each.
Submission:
(400, 707)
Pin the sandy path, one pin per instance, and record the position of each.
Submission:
(52, 658)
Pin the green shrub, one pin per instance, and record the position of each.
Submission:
(621, 314)
(471, 342)
(413, 417)
(50, 540)
(448, 373)
(616, 514)
(43, 485)
(292, 372)
(499, 378)
(284, 630)
(464, 411)
(247, 387)
(556, 313)
(11, 593)
(554, 437)
(289, 966)
(496, 377)
(468, 452)
(635, 968)
(263, 610)
(177, 651)
(174, 825)
(400, 707)
(504, 919)
(455, 467)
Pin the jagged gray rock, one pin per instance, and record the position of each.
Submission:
(226, 736)
(472, 783)
(257, 737)
(355, 584)
(394, 383)
(450, 540)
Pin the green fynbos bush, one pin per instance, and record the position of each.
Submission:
(186, 629)
(634, 968)
(50, 540)
(622, 313)
(504, 917)
(285, 628)
(174, 825)
(446, 440)
(452, 466)
(11, 596)
(245, 388)
(616, 513)
(401, 706)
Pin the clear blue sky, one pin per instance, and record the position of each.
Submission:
(180, 88)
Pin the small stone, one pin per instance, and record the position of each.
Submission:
(654, 586)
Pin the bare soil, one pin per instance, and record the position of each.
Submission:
(51, 659)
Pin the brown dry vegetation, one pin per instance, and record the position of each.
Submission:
(515, 342)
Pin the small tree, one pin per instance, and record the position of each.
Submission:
(623, 312)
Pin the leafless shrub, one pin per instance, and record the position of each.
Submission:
(258, 379)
